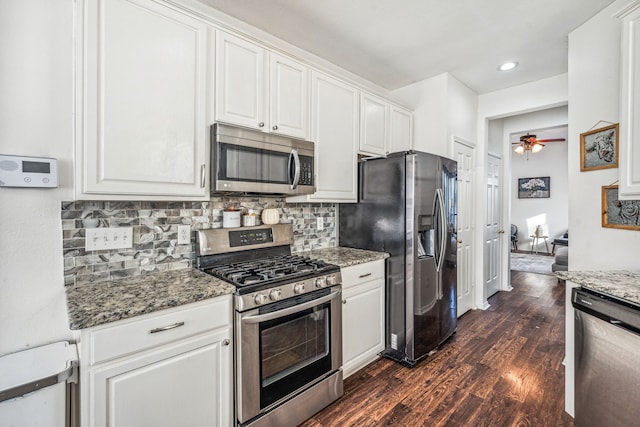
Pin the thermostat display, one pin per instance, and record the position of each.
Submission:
(22, 171)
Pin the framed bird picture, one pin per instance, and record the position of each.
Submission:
(599, 148)
(618, 213)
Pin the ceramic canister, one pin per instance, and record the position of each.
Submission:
(216, 218)
(231, 219)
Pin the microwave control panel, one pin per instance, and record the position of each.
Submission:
(22, 171)
(306, 170)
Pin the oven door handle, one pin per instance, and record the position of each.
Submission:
(296, 308)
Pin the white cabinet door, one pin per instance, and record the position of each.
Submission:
(142, 100)
(240, 82)
(374, 125)
(629, 158)
(334, 129)
(362, 315)
(400, 129)
(289, 97)
(167, 387)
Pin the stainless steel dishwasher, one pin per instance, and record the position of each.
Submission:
(607, 360)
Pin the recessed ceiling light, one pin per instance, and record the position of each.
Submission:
(508, 66)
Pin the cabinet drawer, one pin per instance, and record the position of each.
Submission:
(153, 330)
(362, 273)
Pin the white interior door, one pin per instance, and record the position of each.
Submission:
(464, 154)
(493, 232)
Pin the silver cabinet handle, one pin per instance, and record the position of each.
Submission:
(203, 175)
(364, 275)
(166, 328)
(275, 127)
(261, 124)
(226, 342)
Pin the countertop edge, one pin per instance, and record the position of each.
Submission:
(622, 284)
(106, 302)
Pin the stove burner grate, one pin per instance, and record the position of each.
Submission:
(267, 269)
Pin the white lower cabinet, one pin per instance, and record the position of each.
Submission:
(363, 316)
(181, 379)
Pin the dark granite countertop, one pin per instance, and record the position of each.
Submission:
(344, 257)
(103, 302)
(621, 284)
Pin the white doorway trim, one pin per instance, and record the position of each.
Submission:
(526, 98)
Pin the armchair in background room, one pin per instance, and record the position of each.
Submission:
(560, 241)
(514, 237)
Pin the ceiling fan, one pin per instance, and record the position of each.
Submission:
(529, 142)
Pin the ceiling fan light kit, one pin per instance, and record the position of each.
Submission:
(529, 142)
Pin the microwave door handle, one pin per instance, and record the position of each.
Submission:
(296, 171)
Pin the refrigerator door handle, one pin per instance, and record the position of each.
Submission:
(441, 228)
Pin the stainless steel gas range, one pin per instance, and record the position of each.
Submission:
(287, 327)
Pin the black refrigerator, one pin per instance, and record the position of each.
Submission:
(407, 208)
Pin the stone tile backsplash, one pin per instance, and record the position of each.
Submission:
(155, 233)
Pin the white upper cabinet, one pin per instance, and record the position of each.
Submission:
(400, 129)
(289, 97)
(629, 138)
(374, 125)
(240, 82)
(334, 124)
(141, 101)
(260, 90)
(384, 127)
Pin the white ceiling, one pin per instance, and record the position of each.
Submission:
(395, 43)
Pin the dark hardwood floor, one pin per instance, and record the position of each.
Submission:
(502, 368)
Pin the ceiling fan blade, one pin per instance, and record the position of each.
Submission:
(551, 140)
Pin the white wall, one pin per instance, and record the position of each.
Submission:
(443, 107)
(594, 95)
(427, 99)
(36, 119)
(462, 110)
(594, 85)
(552, 212)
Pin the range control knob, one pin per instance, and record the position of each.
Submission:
(260, 299)
(299, 288)
(331, 280)
(321, 282)
(275, 295)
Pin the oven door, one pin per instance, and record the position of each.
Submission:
(285, 348)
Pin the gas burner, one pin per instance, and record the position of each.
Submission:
(251, 279)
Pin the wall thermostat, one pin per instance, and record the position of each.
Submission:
(22, 171)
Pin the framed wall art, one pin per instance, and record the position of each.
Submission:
(599, 148)
(534, 188)
(617, 213)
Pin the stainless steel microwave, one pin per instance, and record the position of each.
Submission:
(249, 161)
